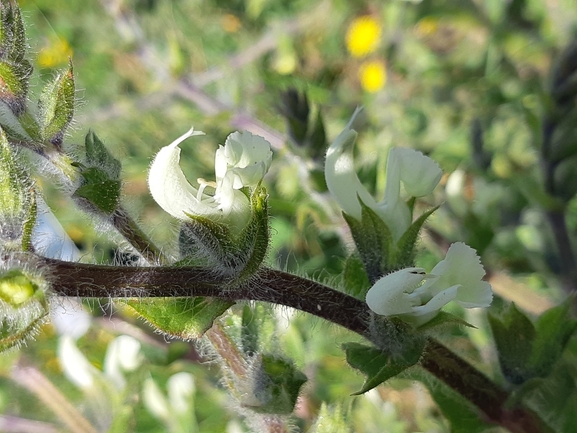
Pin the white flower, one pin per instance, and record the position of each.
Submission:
(241, 162)
(418, 173)
(417, 297)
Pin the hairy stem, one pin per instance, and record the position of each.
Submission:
(277, 287)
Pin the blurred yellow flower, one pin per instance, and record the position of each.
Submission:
(363, 36)
(230, 23)
(427, 26)
(55, 54)
(373, 75)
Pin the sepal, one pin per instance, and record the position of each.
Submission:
(377, 248)
(208, 243)
(15, 70)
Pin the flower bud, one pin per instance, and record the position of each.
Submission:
(23, 307)
(15, 70)
(56, 107)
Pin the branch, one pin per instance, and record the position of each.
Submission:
(282, 288)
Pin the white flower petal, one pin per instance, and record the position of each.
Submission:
(154, 400)
(396, 215)
(248, 155)
(123, 354)
(234, 204)
(456, 278)
(341, 177)
(181, 390)
(479, 295)
(389, 296)
(460, 266)
(74, 364)
(422, 314)
(419, 173)
(169, 186)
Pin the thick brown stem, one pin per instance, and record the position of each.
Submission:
(74, 279)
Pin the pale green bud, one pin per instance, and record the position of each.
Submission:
(23, 307)
(17, 200)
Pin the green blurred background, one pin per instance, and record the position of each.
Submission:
(463, 81)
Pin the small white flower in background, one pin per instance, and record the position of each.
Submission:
(417, 297)
(75, 366)
(175, 410)
(418, 173)
(122, 356)
(241, 162)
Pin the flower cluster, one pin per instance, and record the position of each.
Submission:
(418, 173)
(409, 293)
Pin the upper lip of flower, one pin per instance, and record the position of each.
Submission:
(242, 162)
(419, 174)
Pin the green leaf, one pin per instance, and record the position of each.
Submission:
(97, 155)
(554, 328)
(514, 335)
(527, 351)
(405, 248)
(56, 107)
(377, 365)
(356, 282)
(99, 189)
(185, 318)
(463, 416)
(276, 384)
(554, 397)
